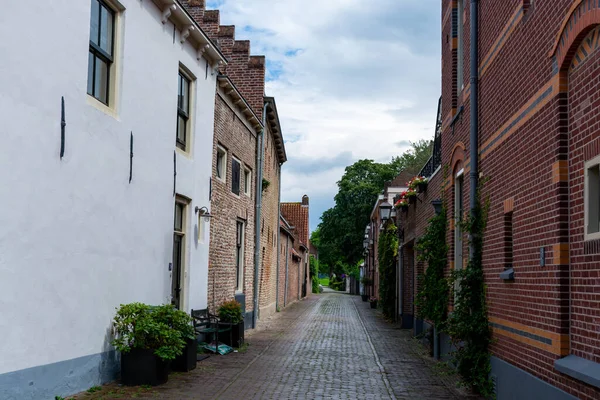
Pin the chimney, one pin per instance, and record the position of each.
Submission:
(305, 200)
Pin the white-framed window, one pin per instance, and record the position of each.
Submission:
(458, 219)
(247, 181)
(179, 251)
(221, 164)
(185, 82)
(592, 199)
(239, 256)
(103, 54)
(461, 48)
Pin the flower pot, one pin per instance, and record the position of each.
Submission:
(143, 367)
(412, 199)
(421, 187)
(374, 304)
(187, 360)
(404, 208)
(235, 338)
(364, 297)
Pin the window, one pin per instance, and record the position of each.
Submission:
(235, 176)
(458, 234)
(247, 181)
(239, 257)
(179, 228)
(183, 111)
(592, 199)
(221, 164)
(100, 58)
(508, 240)
(460, 50)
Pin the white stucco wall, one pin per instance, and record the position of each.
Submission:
(76, 239)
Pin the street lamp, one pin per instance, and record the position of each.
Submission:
(385, 209)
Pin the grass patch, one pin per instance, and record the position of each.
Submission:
(244, 347)
(94, 389)
(324, 281)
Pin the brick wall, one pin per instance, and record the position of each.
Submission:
(227, 208)
(270, 228)
(539, 123)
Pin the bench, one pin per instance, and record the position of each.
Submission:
(206, 323)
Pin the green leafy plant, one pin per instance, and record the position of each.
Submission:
(314, 272)
(137, 326)
(434, 291)
(94, 389)
(265, 184)
(176, 319)
(468, 325)
(367, 281)
(388, 250)
(231, 311)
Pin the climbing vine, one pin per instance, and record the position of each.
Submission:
(432, 298)
(468, 324)
(387, 251)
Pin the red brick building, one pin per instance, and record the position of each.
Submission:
(297, 214)
(539, 150)
(248, 152)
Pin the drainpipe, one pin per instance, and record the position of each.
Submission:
(287, 257)
(257, 214)
(278, 241)
(474, 143)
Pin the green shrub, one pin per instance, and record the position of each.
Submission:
(137, 326)
(231, 311)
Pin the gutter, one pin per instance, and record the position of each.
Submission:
(278, 242)
(287, 257)
(474, 141)
(257, 215)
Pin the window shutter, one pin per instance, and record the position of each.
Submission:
(235, 177)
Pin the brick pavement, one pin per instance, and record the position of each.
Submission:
(315, 349)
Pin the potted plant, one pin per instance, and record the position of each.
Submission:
(231, 313)
(147, 345)
(402, 204)
(366, 281)
(181, 322)
(373, 302)
(411, 195)
(419, 183)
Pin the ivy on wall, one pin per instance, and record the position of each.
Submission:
(468, 324)
(432, 298)
(387, 251)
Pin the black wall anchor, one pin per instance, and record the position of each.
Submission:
(63, 124)
(131, 157)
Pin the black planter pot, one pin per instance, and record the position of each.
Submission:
(142, 367)
(421, 187)
(374, 304)
(412, 199)
(235, 338)
(364, 297)
(187, 360)
(404, 208)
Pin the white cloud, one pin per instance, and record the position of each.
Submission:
(352, 80)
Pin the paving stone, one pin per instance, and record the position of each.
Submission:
(328, 346)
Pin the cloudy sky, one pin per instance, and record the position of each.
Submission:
(353, 79)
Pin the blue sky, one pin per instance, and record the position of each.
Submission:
(352, 80)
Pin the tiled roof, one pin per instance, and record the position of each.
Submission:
(297, 215)
(401, 179)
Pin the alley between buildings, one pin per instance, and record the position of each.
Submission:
(329, 346)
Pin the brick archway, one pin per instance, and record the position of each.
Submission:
(582, 17)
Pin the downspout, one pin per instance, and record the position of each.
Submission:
(257, 214)
(287, 257)
(278, 241)
(474, 142)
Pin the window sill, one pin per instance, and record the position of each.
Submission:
(508, 275)
(580, 369)
(588, 237)
(184, 153)
(98, 105)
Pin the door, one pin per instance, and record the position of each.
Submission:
(178, 253)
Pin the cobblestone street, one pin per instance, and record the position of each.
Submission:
(329, 346)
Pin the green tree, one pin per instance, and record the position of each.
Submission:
(341, 232)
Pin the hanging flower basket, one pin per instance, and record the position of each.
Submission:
(402, 204)
(418, 183)
(411, 195)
